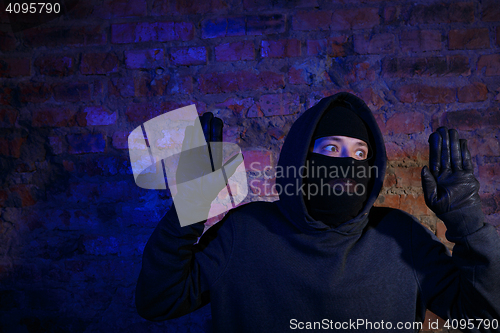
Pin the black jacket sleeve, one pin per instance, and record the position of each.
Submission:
(176, 273)
(467, 285)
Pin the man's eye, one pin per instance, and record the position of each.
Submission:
(360, 154)
(331, 148)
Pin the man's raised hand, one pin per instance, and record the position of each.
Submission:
(450, 183)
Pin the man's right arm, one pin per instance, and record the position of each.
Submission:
(169, 283)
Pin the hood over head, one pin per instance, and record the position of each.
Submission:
(295, 152)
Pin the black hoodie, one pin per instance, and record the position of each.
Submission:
(270, 267)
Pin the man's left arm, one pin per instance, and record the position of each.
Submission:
(471, 290)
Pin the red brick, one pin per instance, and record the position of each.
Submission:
(489, 173)
(71, 92)
(361, 72)
(279, 104)
(298, 75)
(351, 19)
(265, 24)
(11, 147)
(236, 105)
(408, 177)
(476, 92)
(490, 11)
(392, 14)
(57, 145)
(442, 13)
(69, 165)
(183, 7)
(389, 180)
(259, 5)
(420, 40)
(8, 117)
(414, 205)
(147, 85)
(63, 36)
(23, 193)
(34, 92)
(7, 41)
(163, 31)
(86, 143)
(120, 139)
(13, 67)
(123, 87)
(144, 59)
(372, 99)
(406, 151)
(214, 83)
(280, 48)
(6, 96)
(491, 63)
(405, 123)
(415, 93)
(484, 146)
(98, 115)
(339, 46)
(315, 47)
(469, 39)
(374, 44)
(257, 160)
(388, 200)
(3, 198)
(99, 63)
(184, 31)
(123, 33)
(431, 66)
(55, 116)
(55, 65)
(314, 20)
(187, 56)
(235, 51)
(122, 8)
(223, 27)
(141, 112)
(469, 120)
(181, 85)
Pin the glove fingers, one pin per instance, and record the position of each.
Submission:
(435, 143)
(445, 150)
(216, 134)
(466, 158)
(206, 124)
(429, 186)
(456, 154)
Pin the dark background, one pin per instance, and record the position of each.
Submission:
(73, 223)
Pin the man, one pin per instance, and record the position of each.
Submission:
(322, 257)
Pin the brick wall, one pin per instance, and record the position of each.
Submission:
(72, 222)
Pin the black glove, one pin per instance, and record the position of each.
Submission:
(450, 184)
(200, 175)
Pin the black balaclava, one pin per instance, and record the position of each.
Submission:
(328, 198)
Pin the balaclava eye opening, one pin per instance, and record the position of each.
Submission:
(337, 187)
